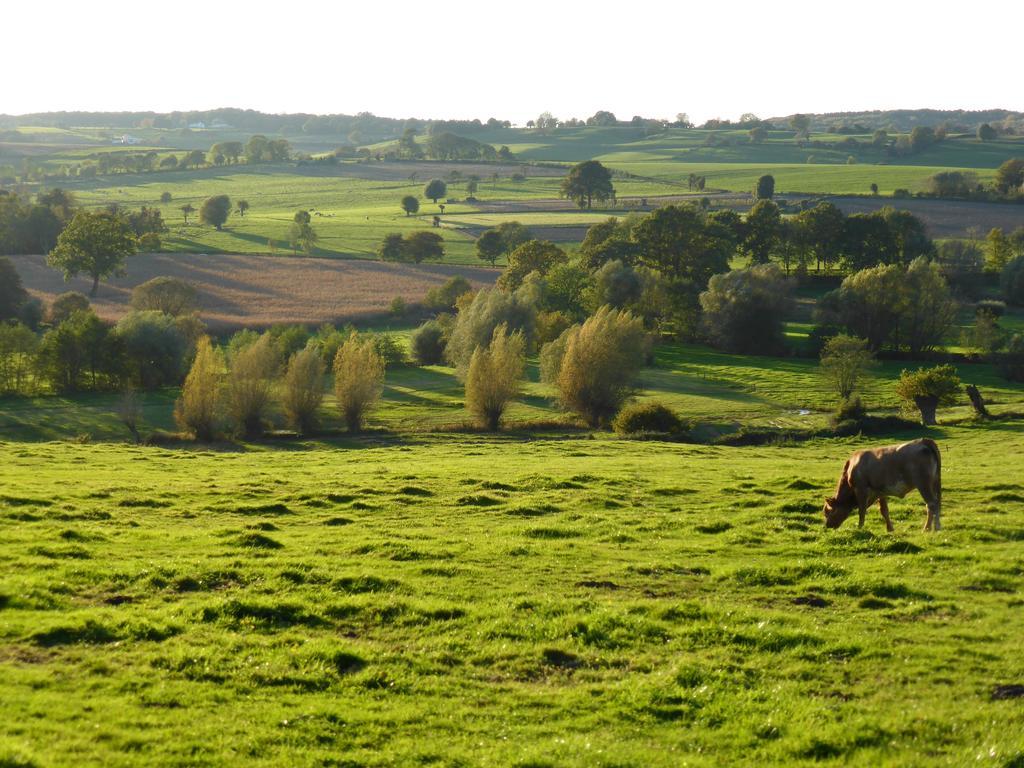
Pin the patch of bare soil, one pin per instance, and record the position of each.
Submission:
(258, 291)
(944, 218)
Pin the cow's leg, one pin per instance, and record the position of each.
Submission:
(862, 506)
(935, 512)
(933, 522)
(883, 506)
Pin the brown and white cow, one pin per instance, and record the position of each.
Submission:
(895, 470)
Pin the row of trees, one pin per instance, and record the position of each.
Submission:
(147, 348)
(822, 236)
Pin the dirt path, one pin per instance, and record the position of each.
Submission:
(236, 291)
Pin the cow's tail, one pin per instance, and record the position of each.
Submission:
(932, 446)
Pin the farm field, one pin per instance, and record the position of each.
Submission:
(503, 601)
(355, 204)
(235, 290)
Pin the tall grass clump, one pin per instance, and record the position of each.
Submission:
(195, 411)
(250, 383)
(597, 363)
(495, 371)
(304, 389)
(358, 380)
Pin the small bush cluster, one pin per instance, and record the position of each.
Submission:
(647, 418)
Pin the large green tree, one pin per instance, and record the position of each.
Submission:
(679, 242)
(1010, 175)
(490, 245)
(410, 204)
(586, 182)
(95, 243)
(435, 190)
(215, 210)
(534, 256)
(765, 189)
(424, 246)
(12, 293)
(818, 233)
(763, 231)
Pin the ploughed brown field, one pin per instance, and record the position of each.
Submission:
(241, 291)
(943, 218)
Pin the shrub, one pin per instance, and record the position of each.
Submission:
(1012, 281)
(67, 304)
(443, 297)
(600, 361)
(615, 284)
(744, 309)
(890, 305)
(390, 349)
(12, 293)
(929, 311)
(474, 326)
(494, 375)
(250, 377)
(154, 348)
(195, 411)
(819, 336)
(304, 389)
(164, 294)
(551, 356)
(289, 338)
(985, 337)
(215, 210)
(149, 242)
(18, 347)
(844, 360)
(928, 388)
(992, 307)
(649, 417)
(962, 263)
(30, 313)
(80, 353)
(428, 344)
(129, 413)
(358, 380)
(532, 256)
(551, 325)
(240, 340)
(398, 307)
(1011, 360)
(850, 409)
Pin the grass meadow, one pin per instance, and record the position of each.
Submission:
(355, 204)
(530, 601)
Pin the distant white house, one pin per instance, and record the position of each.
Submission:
(126, 139)
(197, 126)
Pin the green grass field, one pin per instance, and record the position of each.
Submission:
(501, 601)
(358, 202)
(534, 598)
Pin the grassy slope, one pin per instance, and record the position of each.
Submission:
(485, 601)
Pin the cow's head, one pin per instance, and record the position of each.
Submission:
(835, 512)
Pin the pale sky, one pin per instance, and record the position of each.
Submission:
(512, 60)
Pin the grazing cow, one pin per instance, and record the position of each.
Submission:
(895, 470)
